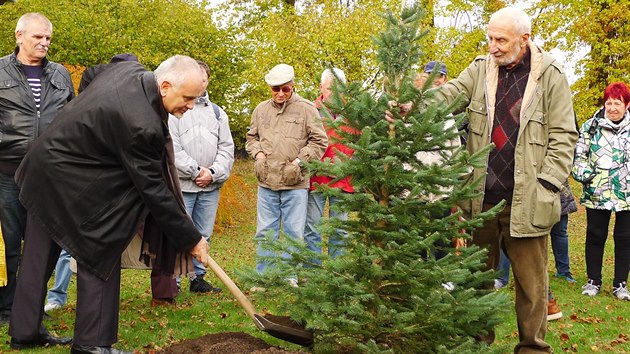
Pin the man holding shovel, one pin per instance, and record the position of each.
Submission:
(102, 172)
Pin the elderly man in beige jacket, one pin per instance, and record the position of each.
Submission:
(285, 131)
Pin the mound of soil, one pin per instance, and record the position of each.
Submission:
(226, 342)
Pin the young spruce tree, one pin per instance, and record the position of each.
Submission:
(385, 293)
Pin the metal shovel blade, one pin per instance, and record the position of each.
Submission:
(291, 334)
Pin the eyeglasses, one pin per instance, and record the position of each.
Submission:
(285, 89)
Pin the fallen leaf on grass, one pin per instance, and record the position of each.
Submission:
(574, 346)
(587, 319)
(564, 337)
(621, 339)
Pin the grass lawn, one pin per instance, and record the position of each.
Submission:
(599, 324)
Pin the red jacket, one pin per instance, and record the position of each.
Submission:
(334, 148)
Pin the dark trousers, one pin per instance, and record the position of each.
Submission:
(97, 299)
(12, 220)
(596, 234)
(163, 286)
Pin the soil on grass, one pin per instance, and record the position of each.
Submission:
(226, 342)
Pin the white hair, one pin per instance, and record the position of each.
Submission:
(28, 18)
(519, 19)
(328, 75)
(175, 70)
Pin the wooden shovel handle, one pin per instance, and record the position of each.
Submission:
(238, 294)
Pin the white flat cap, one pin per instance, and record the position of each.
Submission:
(279, 75)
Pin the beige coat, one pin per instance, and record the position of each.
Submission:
(284, 133)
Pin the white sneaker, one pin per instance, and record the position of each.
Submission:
(51, 306)
(292, 282)
(257, 289)
(622, 292)
(498, 284)
(591, 289)
(449, 286)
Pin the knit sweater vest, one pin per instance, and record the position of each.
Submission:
(509, 99)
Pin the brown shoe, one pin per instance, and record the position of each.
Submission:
(163, 302)
(553, 310)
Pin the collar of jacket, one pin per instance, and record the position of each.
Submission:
(606, 123)
(282, 107)
(152, 92)
(539, 62)
(18, 63)
(203, 100)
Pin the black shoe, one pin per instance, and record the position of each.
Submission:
(44, 340)
(91, 349)
(199, 285)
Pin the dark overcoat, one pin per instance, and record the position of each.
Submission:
(102, 168)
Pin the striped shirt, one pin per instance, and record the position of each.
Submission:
(33, 76)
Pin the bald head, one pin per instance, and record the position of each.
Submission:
(180, 80)
(509, 30)
(517, 18)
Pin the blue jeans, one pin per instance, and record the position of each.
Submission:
(559, 245)
(202, 208)
(314, 214)
(58, 294)
(504, 268)
(13, 221)
(286, 208)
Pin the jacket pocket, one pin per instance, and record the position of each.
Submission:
(291, 174)
(8, 84)
(294, 127)
(546, 208)
(262, 169)
(537, 129)
(477, 117)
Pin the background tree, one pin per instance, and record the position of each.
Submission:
(385, 293)
(603, 27)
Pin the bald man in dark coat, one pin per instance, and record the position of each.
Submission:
(102, 172)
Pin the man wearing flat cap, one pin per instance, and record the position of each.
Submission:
(285, 132)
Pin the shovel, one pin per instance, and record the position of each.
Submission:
(294, 333)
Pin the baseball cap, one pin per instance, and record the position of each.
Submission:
(431, 65)
(279, 75)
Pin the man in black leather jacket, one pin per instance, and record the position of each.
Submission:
(32, 91)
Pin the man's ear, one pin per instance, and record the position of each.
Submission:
(18, 37)
(524, 39)
(164, 87)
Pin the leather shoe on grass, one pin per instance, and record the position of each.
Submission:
(42, 341)
(91, 349)
(163, 302)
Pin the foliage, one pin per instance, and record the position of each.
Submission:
(89, 32)
(385, 293)
(601, 26)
